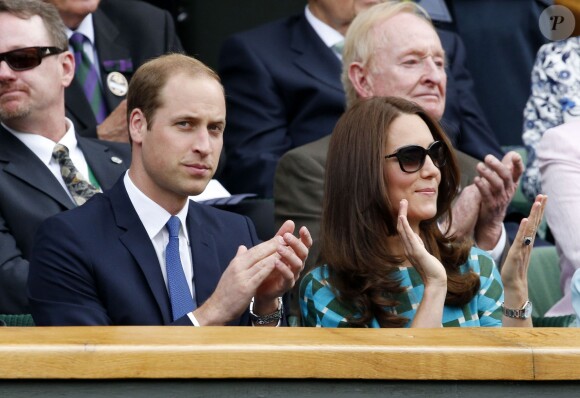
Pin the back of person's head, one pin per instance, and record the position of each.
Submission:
(151, 77)
(361, 42)
(25, 9)
(358, 215)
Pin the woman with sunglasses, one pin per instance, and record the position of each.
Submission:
(388, 261)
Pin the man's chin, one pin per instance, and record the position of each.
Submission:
(7, 115)
(433, 108)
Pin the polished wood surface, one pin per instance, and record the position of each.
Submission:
(290, 353)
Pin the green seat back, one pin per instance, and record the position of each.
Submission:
(544, 279)
(17, 320)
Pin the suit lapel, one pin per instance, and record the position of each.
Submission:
(312, 55)
(23, 164)
(100, 160)
(109, 49)
(206, 271)
(78, 106)
(137, 242)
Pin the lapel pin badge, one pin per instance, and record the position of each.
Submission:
(117, 84)
(116, 160)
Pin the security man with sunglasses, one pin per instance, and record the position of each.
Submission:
(45, 167)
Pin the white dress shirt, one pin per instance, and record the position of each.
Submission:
(329, 35)
(154, 218)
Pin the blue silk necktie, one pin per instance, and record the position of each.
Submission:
(179, 293)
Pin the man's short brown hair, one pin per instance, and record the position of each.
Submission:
(148, 81)
(26, 9)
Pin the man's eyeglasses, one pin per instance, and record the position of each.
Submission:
(412, 157)
(27, 58)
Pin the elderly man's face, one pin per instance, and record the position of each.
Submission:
(409, 62)
(73, 12)
(339, 13)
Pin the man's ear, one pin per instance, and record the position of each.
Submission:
(360, 79)
(68, 68)
(137, 125)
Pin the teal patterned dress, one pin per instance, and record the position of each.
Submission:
(320, 307)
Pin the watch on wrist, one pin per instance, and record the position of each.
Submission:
(261, 320)
(523, 313)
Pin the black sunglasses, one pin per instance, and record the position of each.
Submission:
(412, 157)
(28, 58)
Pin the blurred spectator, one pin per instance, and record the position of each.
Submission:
(558, 159)
(501, 38)
(117, 36)
(555, 100)
(283, 89)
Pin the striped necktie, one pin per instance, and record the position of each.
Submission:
(80, 189)
(87, 76)
(179, 293)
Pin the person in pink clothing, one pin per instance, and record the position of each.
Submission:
(559, 162)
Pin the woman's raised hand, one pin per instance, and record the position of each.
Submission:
(514, 272)
(428, 266)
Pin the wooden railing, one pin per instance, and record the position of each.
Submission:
(289, 353)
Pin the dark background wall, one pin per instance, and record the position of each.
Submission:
(204, 24)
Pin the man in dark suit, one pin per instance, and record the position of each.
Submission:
(121, 35)
(283, 90)
(32, 115)
(152, 256)
(412, 66)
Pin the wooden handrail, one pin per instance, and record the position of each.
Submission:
(290, 353)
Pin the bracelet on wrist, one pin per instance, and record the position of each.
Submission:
(262, 320)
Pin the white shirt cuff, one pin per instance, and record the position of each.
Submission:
(193, 319)
(497, 251)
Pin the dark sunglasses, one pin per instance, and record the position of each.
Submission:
(27, 58)
(412, 157)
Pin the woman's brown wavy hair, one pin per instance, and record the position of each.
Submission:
(358, 216)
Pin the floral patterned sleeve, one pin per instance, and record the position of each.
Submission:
(553, 101)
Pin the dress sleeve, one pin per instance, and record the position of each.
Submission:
(490, 295)
(318, 304)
